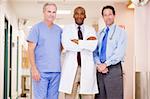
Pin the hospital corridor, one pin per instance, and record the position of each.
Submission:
(17, 17)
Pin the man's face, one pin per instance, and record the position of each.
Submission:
(50, 13)
(108, 16)
(79, 16)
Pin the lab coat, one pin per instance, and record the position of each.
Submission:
(88, 81)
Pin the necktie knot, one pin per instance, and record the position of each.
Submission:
(107, 29)
(79, 28)
(80, 36)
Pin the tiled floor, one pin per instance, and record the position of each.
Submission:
(61, 96)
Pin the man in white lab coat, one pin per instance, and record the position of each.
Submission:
(78, 69)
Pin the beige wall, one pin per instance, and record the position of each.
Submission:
(1, 51)
(6, 10)
(125, 16)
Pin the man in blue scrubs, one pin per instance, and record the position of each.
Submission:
(44, 47)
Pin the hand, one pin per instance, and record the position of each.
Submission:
(75, 41)
(122, 26)
(91, 38)
(105, 71)
(101, 67)
(35, 74)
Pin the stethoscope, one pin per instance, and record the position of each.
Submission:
(112, 33)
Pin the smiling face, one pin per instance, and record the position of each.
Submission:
(49, 12)
(108, 17)
(79, 15)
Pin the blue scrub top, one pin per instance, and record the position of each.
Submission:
(48, 47)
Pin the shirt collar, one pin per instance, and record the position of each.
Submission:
(111, 29)
(81, 26)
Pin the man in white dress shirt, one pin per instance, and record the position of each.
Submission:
(109, 56)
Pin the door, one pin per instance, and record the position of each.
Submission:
(5, 59)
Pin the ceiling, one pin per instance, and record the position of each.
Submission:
(31, 10)
(65, 0)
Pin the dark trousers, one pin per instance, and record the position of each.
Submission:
(110, 85)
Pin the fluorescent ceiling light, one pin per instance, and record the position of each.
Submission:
(63, 11)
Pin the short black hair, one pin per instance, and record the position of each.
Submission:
(108, 7)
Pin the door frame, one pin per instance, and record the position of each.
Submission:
(10, 61)
(17, 73)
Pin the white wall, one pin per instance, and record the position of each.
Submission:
(6, 10)
(142, 48)
(141, 37)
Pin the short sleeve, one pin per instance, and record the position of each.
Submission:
(33, 35)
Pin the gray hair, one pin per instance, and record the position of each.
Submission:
(47, 4)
